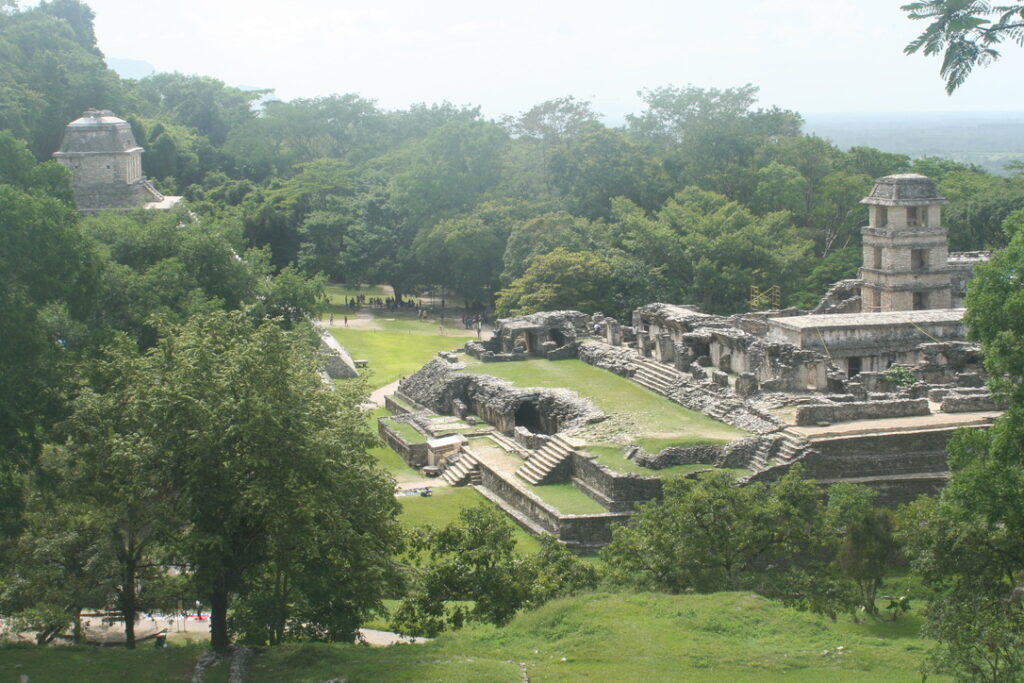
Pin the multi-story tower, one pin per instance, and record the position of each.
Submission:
(905, 247)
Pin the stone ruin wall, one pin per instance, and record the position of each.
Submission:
(440, 388)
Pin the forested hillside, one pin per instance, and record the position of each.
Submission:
(699, 196)
(165, 433)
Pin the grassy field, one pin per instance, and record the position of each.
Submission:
(444, 506)
(394, 354)
(87, 663)
(566, 498)
(630, 637)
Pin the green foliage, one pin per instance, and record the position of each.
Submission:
(48, 277)
(559, 280)
(52, 71)
(965, 32)
(867, 548)
(709, 535)
(900, 376)
(474, 559)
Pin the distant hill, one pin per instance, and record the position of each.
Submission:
(131, 68)
(989, 139)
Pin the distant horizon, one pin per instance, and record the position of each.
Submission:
(803, 55)
(124, 72)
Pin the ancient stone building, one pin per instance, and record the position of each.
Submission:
(106, 165)
(905, 247)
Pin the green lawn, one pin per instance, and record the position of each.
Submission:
(443, 507)
(566, 498)
(630, 637)
(87, 663)
(408, 432)
(393, 354)
(652, 414)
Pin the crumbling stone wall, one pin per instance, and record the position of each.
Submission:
(616, 491)
(437, 386)
(735, 454)
(841, 297)
(860, 410)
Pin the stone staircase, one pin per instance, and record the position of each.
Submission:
(792, 448)
(542, 463)
(658, 377)
(464, 470)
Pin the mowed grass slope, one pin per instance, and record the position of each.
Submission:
(394, 354)
(88, 663)
(630, 637)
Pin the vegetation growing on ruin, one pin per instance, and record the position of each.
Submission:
(643, 413)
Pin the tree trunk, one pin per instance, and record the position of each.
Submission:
(219, 620)
(128, 602)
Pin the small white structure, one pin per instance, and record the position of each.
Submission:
(440, 450)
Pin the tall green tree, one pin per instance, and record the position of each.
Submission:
(269, 466)
(968, 543)
(48, 280)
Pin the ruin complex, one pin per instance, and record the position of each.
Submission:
(815, 388)
(106, 165)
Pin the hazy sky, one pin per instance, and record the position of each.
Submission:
(808, 55)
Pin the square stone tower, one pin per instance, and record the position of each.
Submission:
(905, 247)
(106, 164)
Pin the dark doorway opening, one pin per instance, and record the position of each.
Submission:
(853, 366)
(528, 416)
(557, 337)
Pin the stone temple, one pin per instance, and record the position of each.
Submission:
(809, 388)
(106, 165)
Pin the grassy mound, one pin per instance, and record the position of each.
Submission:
(630, 637)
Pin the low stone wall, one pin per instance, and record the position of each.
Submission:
(414, 454)
(955, 402)
(581, 533)
(860, 410)
(524, 501)
(616, 491)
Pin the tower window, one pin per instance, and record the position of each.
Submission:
(912, 219)
(920, 301)
(876, 258)
(919, 259)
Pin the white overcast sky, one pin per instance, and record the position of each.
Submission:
(807, 55)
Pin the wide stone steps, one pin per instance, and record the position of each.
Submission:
(542, 463)
(463, 471)
(656, 376)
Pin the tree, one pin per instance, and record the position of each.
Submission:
(270, 468)
(559, 280)
(48, 280)
(968, 543)
(866, 547)
(709, 535)
(965, 32)
(108, 472)
(474, 558)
